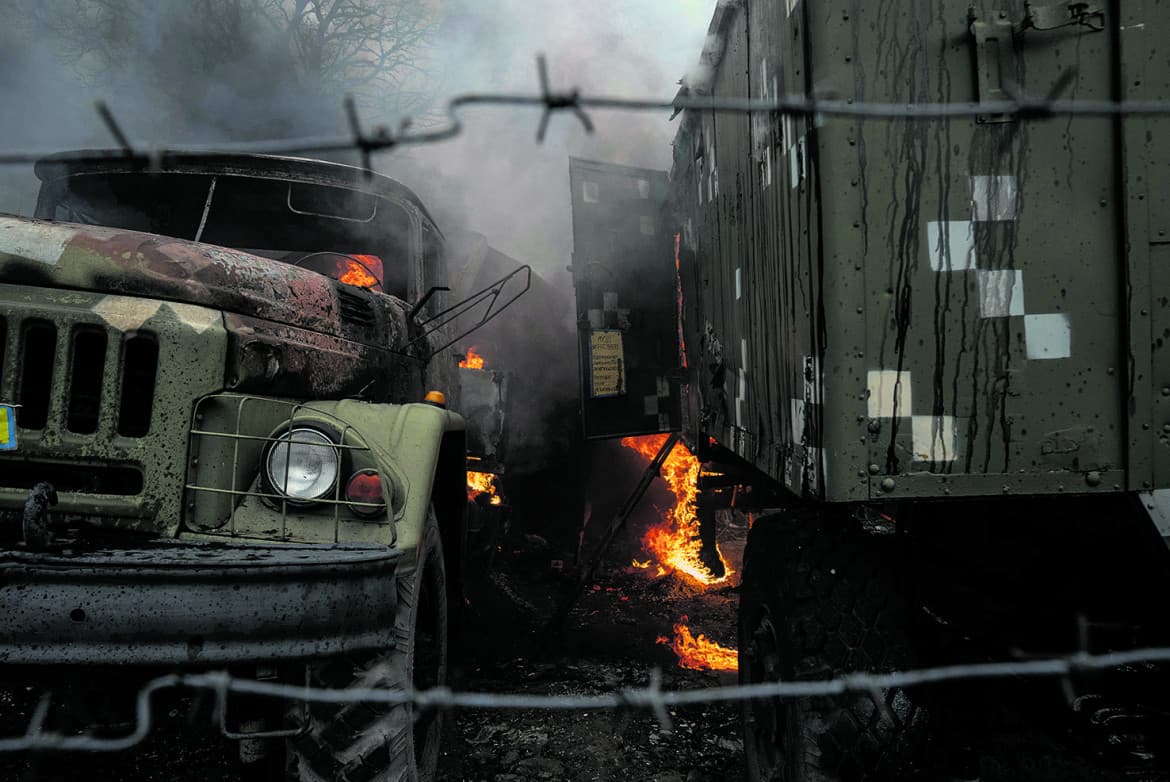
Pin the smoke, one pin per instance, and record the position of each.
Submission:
(502, 183)
(205, 71)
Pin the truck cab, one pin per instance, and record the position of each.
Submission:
(224, 381)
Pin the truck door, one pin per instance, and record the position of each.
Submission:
(626, 296)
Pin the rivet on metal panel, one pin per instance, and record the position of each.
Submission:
(874, 469)
(1007, 489)
(1093, 478)
(875, 425)
(1145, 426)
(1109, 371)
(1166, 428)
(1165, 390)
(1145, 484)
(889, 484)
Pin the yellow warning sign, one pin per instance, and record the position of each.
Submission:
(7, 428)
(607, 363)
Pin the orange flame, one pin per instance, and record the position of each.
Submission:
(358, 271)
(701, 653)
(641, 565)
(675, 542)
(473, 360)
(482, 483)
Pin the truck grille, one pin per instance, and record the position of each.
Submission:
(85, 370)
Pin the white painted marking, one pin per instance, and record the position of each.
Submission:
(33, 241)
(1048, 336)
(952, 245)
(741, 397)
(792, 6)
(590, 192)
(994, 198)
(646, 224)
(933, 438)
(738, 284)
(643, 188)
(798, 424)
(1001, 293)
(198, 319)
(797, 166)
(125, 313)
(889, 393)
(713, 181)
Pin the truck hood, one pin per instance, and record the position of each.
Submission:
(131, 263)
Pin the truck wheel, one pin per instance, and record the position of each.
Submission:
(820, 599)
(362, 741)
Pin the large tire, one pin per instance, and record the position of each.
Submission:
(821, 598)
(360, 742)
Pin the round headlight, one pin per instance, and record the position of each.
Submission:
(303, 464)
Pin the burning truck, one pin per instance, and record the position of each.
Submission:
(934, 349)
(228, 439)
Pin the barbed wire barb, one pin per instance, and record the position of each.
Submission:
(115, 129)
(554, 102)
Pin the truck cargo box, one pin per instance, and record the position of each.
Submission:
(929, 308)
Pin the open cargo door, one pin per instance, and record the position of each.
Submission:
(627, 300)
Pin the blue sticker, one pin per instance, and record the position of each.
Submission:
(7, 428)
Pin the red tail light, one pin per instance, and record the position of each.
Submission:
(365, 486)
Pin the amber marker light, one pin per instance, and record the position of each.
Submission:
(436, 398)
(365, 486)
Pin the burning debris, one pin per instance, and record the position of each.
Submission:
(363, 271)
(699, 653)
(482, 484)
(675, 547)
(473, 360)
(674, 543)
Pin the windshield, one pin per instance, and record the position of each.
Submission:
(355, 237)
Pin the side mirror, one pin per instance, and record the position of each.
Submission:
(509, 288)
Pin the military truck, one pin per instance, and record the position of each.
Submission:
(941, 343)
(228, 440)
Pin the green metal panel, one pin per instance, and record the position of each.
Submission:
(927, 308)
(627, 310)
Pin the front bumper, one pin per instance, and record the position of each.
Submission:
(180, 603)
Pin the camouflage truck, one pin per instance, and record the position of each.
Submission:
(940, 343)
(225, 443)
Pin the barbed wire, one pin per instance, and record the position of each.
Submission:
(652, 698)
(1019, 106)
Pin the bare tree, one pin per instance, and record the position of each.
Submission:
(297, 55)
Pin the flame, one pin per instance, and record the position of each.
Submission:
(357, 271)
(675, 541)
(473, 360)
(482, 483)
(701, 653)
(641, 565)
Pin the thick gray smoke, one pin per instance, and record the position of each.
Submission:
(181, 72)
